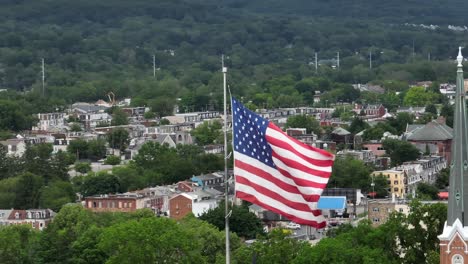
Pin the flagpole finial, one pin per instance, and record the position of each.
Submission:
(460, 57)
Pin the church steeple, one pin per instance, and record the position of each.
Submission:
(458, 195)
(454, 239)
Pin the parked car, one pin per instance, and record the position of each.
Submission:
(292, 225)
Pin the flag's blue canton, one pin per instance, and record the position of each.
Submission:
(249, 134)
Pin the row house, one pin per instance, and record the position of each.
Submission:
(135, 111)
(180, 132)
(37, 218)
(134, 131)
(15, 147)
(276, 113)
(127, 202)
(209, 180)
(448, 90)
(414, 110)
(380, 210)
(196, 117)
(366, 156)
(183, 204)
(424, 170)
(396, 181)
(159, 195)
(90, 115)
(50, 121)
(370, 110)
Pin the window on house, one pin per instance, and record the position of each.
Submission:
(400, 210)
(395, 182)
(376, 219)
(375, 209)
(395, 189)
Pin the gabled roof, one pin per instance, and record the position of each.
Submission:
(341, 131)
(432, 131)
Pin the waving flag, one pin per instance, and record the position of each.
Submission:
(276, 171)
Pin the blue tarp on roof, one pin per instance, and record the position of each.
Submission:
(332, 203)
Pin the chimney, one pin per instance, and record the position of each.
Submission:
(441, 120)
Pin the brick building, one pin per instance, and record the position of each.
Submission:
(380, 210)
(180, 206)
(119, 202)
(37, 218)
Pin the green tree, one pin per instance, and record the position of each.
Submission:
(83, 167)
(119, 117)
(57, 239)
(96, 149)
(447, 112)
(431, 108)
(75, 127)
(27, 191)
(401, 121)
(342, 178)
(442, 180)
(357, 125)
(400, 151)
(149, 115)
(17, 244)
(208, 133)
(8, 189)
(417, 96)
(79, 148)
(302, 121)
(112, 160)
(276, 247)
(9, 165)
(164, 121)
(56, 194)
(376, 132)
(162, 106)
(242, 222)
(427, 192)
(166, 241)
(118, 138)
(102, 183)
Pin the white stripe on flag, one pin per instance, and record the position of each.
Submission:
(276, 174)
(308, 216)
(306, 152)
(293, 197)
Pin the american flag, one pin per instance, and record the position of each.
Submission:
(278, 172)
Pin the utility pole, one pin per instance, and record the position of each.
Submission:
(154, 66)
(316, 63)
(338, 59)
(370, 59)
(43, 78)
(226, 176)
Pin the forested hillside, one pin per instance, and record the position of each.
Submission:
(93, 47)
(399, 11)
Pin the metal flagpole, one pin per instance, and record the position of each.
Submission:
(226, 177)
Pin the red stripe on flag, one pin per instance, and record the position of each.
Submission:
(265, 191)
(282, 144)
(318, 150)
(267, 176)
(298, 166)
(254, 200)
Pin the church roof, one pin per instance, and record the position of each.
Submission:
(432, 131)
(341, 131)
